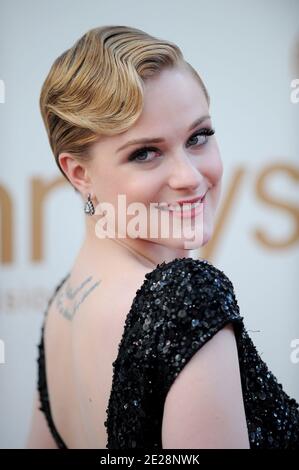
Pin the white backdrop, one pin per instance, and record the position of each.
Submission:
(248, 55)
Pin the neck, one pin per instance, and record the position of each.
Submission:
(146, 252)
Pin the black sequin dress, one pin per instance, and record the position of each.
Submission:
(179, 307)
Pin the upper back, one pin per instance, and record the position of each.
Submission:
(83, 329)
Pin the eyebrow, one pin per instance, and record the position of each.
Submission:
(160, 139)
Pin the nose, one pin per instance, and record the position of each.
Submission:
(184, 174)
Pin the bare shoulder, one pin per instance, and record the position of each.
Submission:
(209, 394)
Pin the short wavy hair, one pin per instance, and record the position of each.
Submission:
(96, 87)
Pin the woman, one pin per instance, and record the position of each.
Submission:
(143, 345)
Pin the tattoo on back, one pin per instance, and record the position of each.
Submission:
(78, 294)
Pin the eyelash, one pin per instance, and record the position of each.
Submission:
(133, 157)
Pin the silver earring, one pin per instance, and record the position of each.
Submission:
(89, 207)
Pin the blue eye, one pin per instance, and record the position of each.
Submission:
(205, 133)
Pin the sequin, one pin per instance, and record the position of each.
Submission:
(179, 307)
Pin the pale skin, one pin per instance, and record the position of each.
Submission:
(181, 167)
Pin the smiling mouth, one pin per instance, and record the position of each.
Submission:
(186, 207)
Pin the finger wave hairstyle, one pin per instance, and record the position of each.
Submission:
(96, 87)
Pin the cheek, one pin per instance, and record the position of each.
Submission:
(136, 186)
(140, 187)
(212, 167)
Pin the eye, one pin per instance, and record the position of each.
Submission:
(203, 134)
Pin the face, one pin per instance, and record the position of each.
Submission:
(186, 164)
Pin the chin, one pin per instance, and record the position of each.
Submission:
(200, 240)
(195, 240)
(183, 244)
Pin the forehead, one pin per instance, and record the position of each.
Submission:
(173, 97)
(172, 101)
(172, 89)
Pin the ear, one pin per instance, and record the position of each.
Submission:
(76, 171)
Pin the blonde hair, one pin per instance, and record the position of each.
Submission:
(97, 86)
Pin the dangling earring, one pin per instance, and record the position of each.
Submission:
(89, 207)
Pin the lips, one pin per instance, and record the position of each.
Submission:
(191, 201)
(182, 202)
